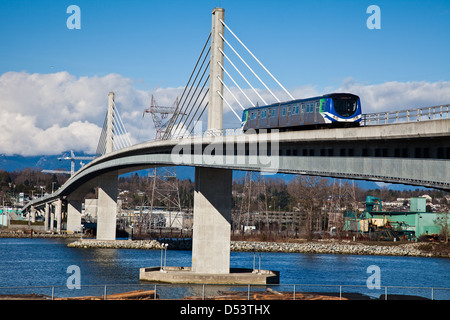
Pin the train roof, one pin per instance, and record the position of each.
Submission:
(330, 95)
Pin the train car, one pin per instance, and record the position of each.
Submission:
(331, 110)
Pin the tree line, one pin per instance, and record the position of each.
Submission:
(254, 192)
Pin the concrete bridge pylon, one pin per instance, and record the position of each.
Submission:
(212, 200)
(107, 185)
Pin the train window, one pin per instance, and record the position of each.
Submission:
(289, 111)
(345, 105)
(303, 108)
(263, 114)
(284, 111)
(252, 116)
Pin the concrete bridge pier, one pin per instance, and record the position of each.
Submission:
(107, 206)
(32, 213)
(74, 207)
(58, 215)
(47, 217)
(212, 221)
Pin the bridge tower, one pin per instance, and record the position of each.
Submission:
(212, 200)
(215, 105)
(107, 185)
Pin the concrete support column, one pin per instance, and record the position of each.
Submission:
(33, 214)
(212, 221)
(215, 105)
(47, 217)
(107, 206)
(74, 207)
(58, 214)
(52, 217)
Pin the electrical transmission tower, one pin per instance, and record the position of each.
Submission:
(342, 199)
(160, 116)
(254, 202)
(164, 197)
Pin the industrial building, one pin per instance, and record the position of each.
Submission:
(393, 225)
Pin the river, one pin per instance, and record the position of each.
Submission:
(39, 262)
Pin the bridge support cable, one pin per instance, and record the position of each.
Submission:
(101, 147)
(121, 135)
(226, 72)
(195, 113)
(199, 117)
(182, 100)
(218, 92)
(177, 109)
(259, 62)
(189, 106)
(243, 77)
(254, 73)
(231, 93)
(123, 139)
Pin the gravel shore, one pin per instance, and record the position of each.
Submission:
(321, 247)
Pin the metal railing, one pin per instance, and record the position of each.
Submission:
(209, 133)
(403, 116)
(378, 118)
(248, 292)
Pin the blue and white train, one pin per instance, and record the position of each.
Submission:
(331, 110)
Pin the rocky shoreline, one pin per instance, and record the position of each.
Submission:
(319, 247)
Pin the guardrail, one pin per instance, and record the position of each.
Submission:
(209, 133)
(410, 115)
(209, 291)
(378, 118)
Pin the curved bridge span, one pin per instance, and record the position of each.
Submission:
(375, 153)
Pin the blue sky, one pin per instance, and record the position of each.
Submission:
(156, 43)
(54, 81)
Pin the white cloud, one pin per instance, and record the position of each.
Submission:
(52, 113)
(398, 95)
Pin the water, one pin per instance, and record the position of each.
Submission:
(44, 262)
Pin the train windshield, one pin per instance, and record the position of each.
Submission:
(345, 106)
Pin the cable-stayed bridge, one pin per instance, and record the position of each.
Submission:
(409, 147)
